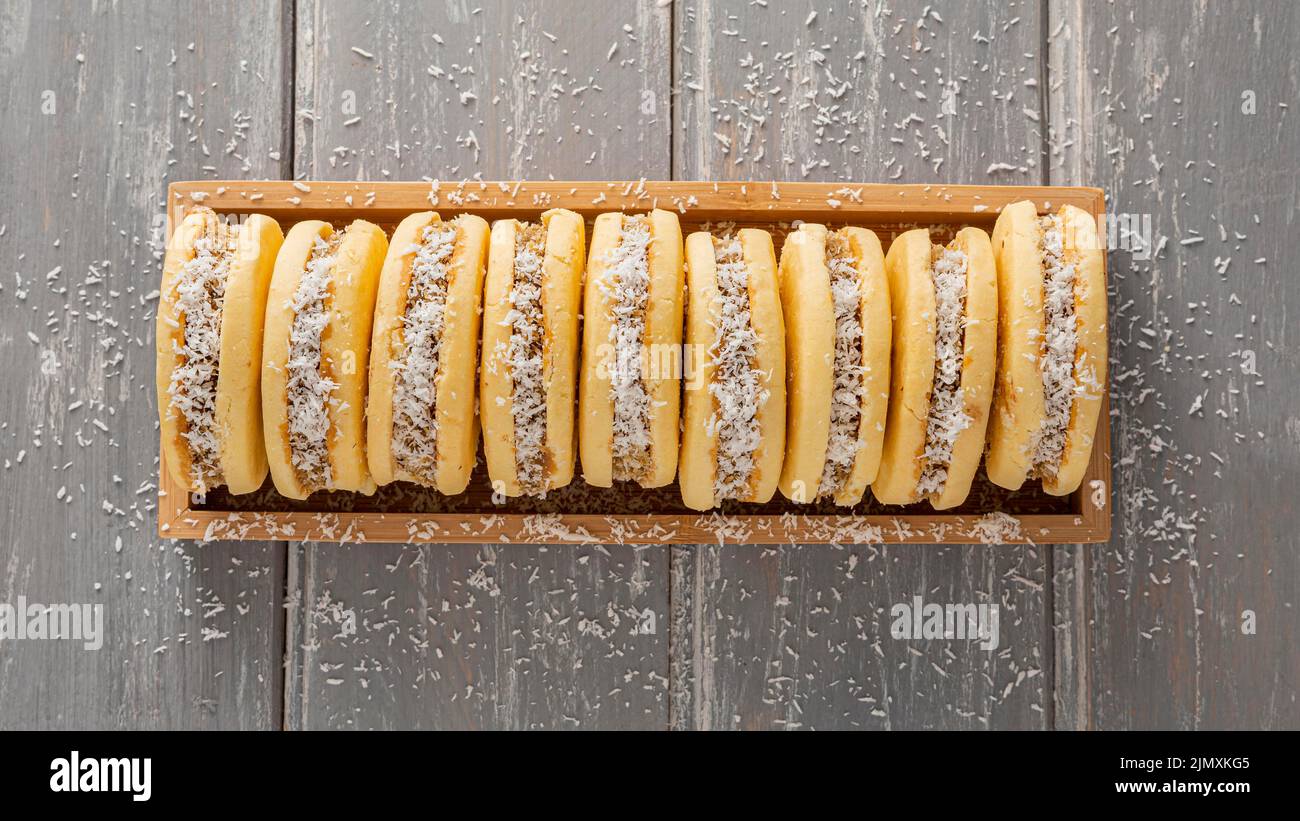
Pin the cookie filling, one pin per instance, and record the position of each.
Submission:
(736, 387)
(1056, 359)
(947, 417)
(309, 385)
(846, 397)
(524, 356)
(626, 287)
(200, 297)
(417, 370)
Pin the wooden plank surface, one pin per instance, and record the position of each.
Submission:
(1071, 657)
(1187, 115)
(104, 105)
(800, 636)
(461, 636)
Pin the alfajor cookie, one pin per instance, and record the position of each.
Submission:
(314, 357)
(530, 351)
(944, 302)
(211, 315)
(733, 425)
(835, 300)
(630, 388)
(420, 412)
(1052, 357)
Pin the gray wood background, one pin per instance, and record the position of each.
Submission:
(1185, 114)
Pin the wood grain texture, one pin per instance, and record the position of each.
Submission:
(479, 637)
(1071, 656)
(408, 90)
(1187, 115)
(105, 103)
(800, 636)
(506, 636)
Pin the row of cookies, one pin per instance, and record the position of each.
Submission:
(341, 359)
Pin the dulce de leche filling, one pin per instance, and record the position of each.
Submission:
(626, 287)
(736, 386)
(200, 299)
(843, 444)
(1059, 341)
(947, 417)
(418, 368)
(524, 355)
(309, 385)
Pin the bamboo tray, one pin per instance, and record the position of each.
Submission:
(406, 513)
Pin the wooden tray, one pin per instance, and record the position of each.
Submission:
(405, 513)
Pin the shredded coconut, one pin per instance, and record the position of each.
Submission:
(736, 385)
(309, 387)
(626, 284)
(1060, 338)
(415, 423)
(947, 416)
(843, 444)
(200, 297)
(524, 355)
(997, 528)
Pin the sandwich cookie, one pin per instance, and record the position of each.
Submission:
(420, 415)
(530, 352)
(1052, 355)
(630, 391)
(314, 357)
(944, 302)
(733, 427)
(209, 349)
(835, 300)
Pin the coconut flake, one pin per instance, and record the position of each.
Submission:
(947, 417)
(736, 387)
(310, 390)
(200, 299)
(417, 369)
(626, 286)
(843, 443)
(997, 528)
(1056, 359)
(524, 356)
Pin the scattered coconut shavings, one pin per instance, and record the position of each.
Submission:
(550, 527)
(843, 443)
(785, 116)
(997, 528)
(310, 388)
(417, 373)
(736, 385)
(626, 285)
(947, 417)
(1056, 359)
(725, 528)
(525, 356)
(200, 298)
